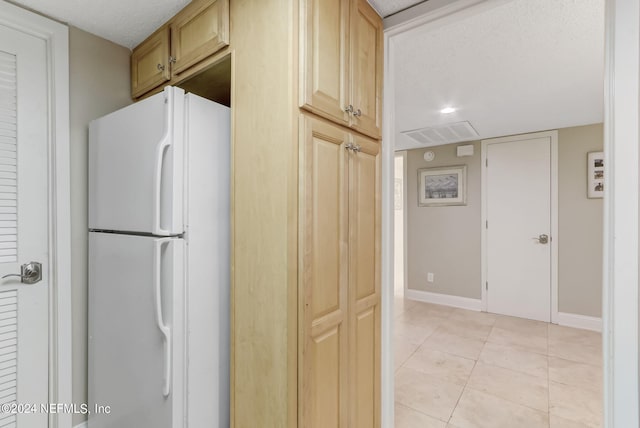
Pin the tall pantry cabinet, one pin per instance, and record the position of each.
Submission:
(339, 220)
(339, 280)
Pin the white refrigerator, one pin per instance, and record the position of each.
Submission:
(159, 213)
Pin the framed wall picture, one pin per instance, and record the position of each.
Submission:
(442, 186)
(595, 175)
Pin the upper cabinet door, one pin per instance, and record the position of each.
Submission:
(324, 56)
(366, 69)
(150, 63)
(198, 31)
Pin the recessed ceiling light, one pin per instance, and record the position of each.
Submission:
(447, 110)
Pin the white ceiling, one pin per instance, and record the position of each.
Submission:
(521, 66)
(125, 22)
(389, 7)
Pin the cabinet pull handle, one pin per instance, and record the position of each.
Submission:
(357, 113)
(349, 109)
(161, 67)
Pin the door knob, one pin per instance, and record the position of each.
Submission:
(542, 239)
(30, 273)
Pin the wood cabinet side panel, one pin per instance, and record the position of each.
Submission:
(264, 214)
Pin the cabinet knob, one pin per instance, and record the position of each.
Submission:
(172, 60)
(357, 148)
(349, 146)
(349, 109)
(357, 113)
(161, 67)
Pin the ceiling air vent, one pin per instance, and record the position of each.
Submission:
(444, 134)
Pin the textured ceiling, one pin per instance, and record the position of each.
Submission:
(389, 7)
(125, 22)
(521, 66)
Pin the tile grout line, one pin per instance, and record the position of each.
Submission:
(464, 388)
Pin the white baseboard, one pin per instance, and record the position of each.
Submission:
(443, 299)
(579, 321)
(82, 425)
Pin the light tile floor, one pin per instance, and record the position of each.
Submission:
(463, 369)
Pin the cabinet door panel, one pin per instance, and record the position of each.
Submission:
(366, 69)
(364, 283)
(150, 63)
(198, 31)
(323, 284)
(324, 58)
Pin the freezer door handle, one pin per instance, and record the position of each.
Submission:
(161, 151)
(164, 329)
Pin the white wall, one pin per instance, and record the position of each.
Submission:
(99, 80)
(398, 229)
(580, 223)
(444, 240)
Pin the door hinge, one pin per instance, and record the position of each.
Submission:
(486, 224)
(486, 162)
(486, 285)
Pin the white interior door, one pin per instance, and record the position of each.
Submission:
(24, 309)
(518, 184)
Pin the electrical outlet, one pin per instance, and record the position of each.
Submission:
(430, 277)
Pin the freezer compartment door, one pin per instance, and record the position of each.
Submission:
(136, 331)
(136, 157)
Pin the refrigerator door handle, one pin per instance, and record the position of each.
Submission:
(161, 150)
(164, 329)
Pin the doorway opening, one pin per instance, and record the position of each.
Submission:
(454, 325)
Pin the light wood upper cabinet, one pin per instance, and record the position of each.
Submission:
(341, 63)
(324, 64)
(150, 63)
(366, 68)
(199, 30)
(183, 46)
(339, 362)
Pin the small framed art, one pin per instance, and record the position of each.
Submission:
(595, 175)
(442, 186)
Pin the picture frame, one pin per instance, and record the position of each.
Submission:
(595, 175)
(442, 186)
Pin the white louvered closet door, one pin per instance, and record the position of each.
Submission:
(24, 189)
